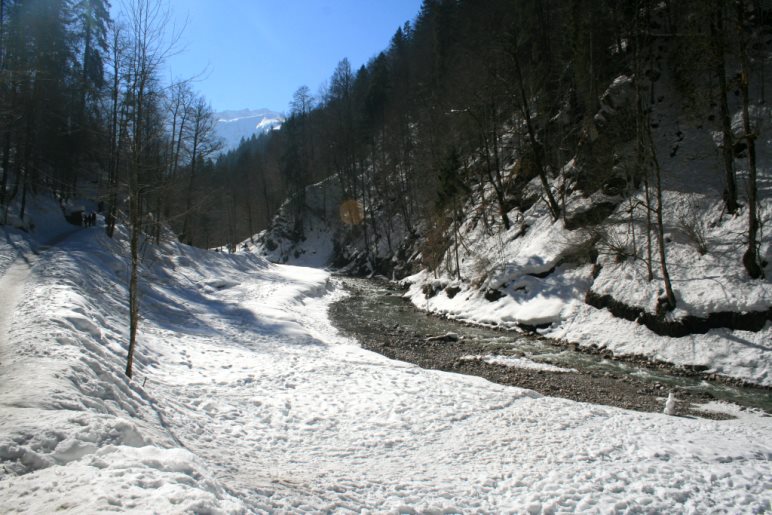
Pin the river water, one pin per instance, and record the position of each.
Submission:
(382, 320)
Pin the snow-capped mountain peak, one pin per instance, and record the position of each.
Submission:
(232, 125)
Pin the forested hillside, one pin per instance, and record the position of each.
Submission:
(485, 96)
(596, 171)
(85, 113)
(469, 96)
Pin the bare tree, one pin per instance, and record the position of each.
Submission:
(525, 110)
(717, 38)
(203, 143)
(645, 148)
(149, 46)
(641, 129)
(669, 300)
(118, 49)
(6, 114)
(179, 106)
(751, 256)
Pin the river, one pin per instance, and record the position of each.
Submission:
(383, 321)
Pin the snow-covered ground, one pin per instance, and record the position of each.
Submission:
(246, 399)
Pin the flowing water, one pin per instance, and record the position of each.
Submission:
(376, 312)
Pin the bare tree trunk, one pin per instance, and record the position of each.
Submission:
(25, 181)
(554, 207)
(25, 178)
(7, 129)
(751, 256)
(157, 224)
(717, 36)
(456, 235)
(189, 200)
(497, 189)
(649, 246)
(112, 174)
(500, 194)
(642, 128)
(669, 300)
(249, 218)
(135, 219)
(6, 164)
(631, 225)
(17, 174)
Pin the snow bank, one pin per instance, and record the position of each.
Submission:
(75, 434)
(521, 266)
(515, 362)
(523, 286)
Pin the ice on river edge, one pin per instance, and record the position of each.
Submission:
(246, 399)
(515, 362)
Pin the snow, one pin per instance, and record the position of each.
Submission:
(742, 354)
(670, 404)
(246, 399)
(513, 264)
(233, 126)
(316, 247)
(511, 361)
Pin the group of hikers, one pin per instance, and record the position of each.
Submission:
(231, 248)
(88, 219)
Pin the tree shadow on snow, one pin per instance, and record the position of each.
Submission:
(186, 311)
(743, 341)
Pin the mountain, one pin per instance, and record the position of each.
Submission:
(234, 125)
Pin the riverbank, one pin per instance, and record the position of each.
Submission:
(631, 383)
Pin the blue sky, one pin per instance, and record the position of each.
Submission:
(256, 53)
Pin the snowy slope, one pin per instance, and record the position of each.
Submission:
(541, 275)
(540, 284)
(321, 226)
(245, 399)
(232, 126)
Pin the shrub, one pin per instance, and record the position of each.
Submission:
(612, 243)
(690, 222)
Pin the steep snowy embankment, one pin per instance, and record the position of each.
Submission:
(245, 399)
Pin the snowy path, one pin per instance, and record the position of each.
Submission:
(12, 285)
(246, 399)
(17, 269)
